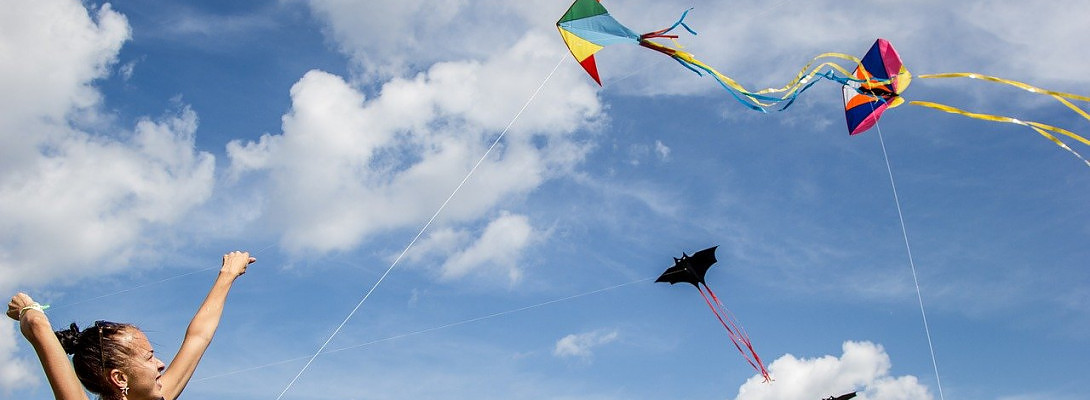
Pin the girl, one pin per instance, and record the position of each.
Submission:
(115, 360)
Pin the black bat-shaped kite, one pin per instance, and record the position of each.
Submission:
(841, 397)
(691, 269)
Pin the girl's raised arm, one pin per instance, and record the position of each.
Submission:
(37, 330)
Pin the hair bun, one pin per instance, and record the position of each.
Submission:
(69, 338)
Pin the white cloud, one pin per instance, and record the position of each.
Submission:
(423, 32)
(14, 371)
(70, 199)
(1014, 41)
(662, 150)
(493, 253)
(647, 194)
(638, 152)
(52, 51)
(1028, 39)
(127, 70)
(188, 21)
(1041, 395)
(497, 249)
(863, 367)
(61, 48)
(346, 166)
(96, 198)
(581, 345)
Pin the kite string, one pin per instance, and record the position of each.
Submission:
(436, 328)
(424, 228)
(911, 263)
(129, 289)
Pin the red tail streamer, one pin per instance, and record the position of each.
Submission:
(736, 332)
(733, 336)
(729, 317)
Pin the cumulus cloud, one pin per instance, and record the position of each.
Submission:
(74, 191)
(581, 345)
(93, 193)
(52, 51)
(863, 367)
(1017, 39)
(497, 249)
(96, 197)
(347, 166)
(494, 252)
(14, 371)
(428, 31)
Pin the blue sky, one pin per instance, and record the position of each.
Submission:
(141, 141)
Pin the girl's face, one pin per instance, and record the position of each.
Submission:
(143, 368)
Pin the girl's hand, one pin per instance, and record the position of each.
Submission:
(235, 262)
(17, 304)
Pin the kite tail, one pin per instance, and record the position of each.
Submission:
(791, 97)
(744, 335)
(1020, 85)
(733, 336)
(807, 73)
(688, 61)
(1059, 96)
(662, 32)
(1040, 128)
(730, 317)
(756, 101)
(737, 334)
(696, 66)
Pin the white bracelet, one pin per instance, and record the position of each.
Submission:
(34, 306)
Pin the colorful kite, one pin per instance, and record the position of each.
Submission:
(587, 27)
(879, 80)
(874, 86)
(692, 270)
(880, 77)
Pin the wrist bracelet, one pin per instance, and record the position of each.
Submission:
(34, 306)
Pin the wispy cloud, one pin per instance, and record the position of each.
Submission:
(581, 345)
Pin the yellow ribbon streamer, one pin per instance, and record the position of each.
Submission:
(809, 71)
(806, 73)
(1059, 96)
(1020, 85)
(804, 76)
(1042, 129)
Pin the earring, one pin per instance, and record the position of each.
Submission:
(125, 391)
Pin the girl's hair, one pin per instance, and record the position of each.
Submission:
(95, 351)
